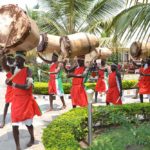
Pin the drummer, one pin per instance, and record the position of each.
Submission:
(78, 94)
(145, 86)
(24, 107)
(114, 92)
(8, 64)
(101, 85)
(55, 82)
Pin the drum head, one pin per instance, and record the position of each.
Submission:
(42, 43)
(14, 25)
(135, 49)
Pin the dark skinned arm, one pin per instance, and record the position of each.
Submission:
(120, 82)
(4, 64)
(142, 74)
(57, 70)
(79, 75)
(47, 61)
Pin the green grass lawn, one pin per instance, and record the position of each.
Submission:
(124, 138)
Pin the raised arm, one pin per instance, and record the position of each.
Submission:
(79, 75)
(47, 61)
(4, 64)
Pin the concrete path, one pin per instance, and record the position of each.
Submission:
(6, 137)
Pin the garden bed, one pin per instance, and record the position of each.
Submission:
(68, 130)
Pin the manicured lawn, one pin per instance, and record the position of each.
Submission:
(124, 138)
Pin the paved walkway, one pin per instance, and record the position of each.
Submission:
(6, 137)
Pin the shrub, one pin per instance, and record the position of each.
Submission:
(42, 87)
(129, 84)
(68, 129)
(65, 131)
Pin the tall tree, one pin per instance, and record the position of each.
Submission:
(71, 16)
(133, 22)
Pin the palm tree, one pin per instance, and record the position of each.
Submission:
(133, 22)
(71, 16)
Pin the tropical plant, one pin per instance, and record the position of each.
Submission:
(133, 22)
(71, 16)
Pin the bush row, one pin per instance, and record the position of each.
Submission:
(67, 130)
(42, 87)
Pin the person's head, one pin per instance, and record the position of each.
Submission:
(80, 60)
(54, 57)
(148, 61)
(20, 58)
(103, 62)
(113, 67)
(10, 60)
(143, 62)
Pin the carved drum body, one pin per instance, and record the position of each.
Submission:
(18, 31)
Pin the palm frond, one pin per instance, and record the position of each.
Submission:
(132, 22)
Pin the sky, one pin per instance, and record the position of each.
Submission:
(21, 3)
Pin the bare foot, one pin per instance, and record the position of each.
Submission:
(63, 107)
(2, 125)
(31, 142)
(18, 148)
(51, 109)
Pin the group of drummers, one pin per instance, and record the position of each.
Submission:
(19, 86)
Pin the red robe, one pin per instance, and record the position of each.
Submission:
(145, 86)
(24, 105)
(78, 94)
(9, 90)
(101, 84)
(140, 82)
(52, 82)
(113, 93)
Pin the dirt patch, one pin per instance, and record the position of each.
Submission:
(134, 147)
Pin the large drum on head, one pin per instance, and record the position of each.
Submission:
(17, 30)
(48, 43)
(78, 44)
(98, 53)
(140, 50)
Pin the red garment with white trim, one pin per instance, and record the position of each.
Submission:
(52, 78)
(145, 85)
(9, 90)
(101, 83)
(24, 105)
(113, 93)
(78, 93)
(140, 82)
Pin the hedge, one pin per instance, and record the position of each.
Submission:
(67, 130)
(42, 87)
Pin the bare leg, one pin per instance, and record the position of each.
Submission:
(136, 94)
(16, 137)
(107, 103)
(141, 98)
(73, 106)
(96, 93)
(51, 102)
(63, 102)
(4, 116)
(30, 129)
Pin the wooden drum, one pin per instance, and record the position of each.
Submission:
(78, 44)
(140, 50)
(48, 43)
(17, 30)
(98, 53)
